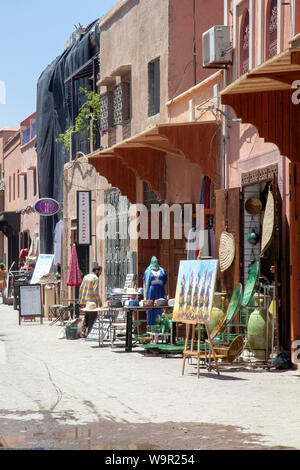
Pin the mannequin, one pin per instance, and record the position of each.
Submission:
(155, 279)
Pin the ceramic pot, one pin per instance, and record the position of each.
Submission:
(257, 331)
(253, 237)
(217, 312)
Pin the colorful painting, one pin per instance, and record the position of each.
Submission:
(195, 291)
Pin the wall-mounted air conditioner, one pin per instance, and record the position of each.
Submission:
(217, 47)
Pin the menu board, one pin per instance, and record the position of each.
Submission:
(43, 266)
(30, 301)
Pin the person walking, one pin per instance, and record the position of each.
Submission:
(89, 298)
(3, 276)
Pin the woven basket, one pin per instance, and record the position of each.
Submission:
(268, 224)
(226, 250)
(47, 279)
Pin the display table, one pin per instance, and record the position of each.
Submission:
(103, 312)
(130, 310)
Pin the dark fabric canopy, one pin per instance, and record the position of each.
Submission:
(54, 116)
(10, 222)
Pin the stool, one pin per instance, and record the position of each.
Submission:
(60, 311)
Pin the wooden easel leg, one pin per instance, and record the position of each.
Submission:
(212, 348)
(186, 347)
(198, 350)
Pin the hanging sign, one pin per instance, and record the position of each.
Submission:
(46, 206)
(84, 218)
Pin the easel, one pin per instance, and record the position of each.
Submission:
(192, 353)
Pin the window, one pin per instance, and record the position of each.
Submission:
(9, 189)
(18, 183)
(25, 187)
(34, 182)
(14, 186)
(244, 54)
(154, 87)
(271, 28)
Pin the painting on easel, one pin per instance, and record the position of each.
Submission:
(195, 291)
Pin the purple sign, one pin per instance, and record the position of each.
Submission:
(46, 206)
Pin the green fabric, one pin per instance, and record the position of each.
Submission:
(153, 266)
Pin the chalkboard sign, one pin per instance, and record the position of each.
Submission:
(99, 330)
(43, 266)
(30, 302)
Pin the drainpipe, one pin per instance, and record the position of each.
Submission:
(225, 129)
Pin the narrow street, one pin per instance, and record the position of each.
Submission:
(60, 394)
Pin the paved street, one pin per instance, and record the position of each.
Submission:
(58, 394)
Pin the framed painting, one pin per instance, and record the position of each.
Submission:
(195, 291)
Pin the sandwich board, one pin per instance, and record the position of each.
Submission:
(30, 302)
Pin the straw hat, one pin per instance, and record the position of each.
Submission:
(131, 291)
(268, 224)
(226, 250)
(90, 307)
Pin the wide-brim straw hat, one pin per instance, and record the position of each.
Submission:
(226, 250)
(90, 307)
(268, 223)
(131, 291)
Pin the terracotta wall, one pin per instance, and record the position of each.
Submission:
(136, 35)
(12, 164)
(30, 220)
(82, 176)
(181, 41)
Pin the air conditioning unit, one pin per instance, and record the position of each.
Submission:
(217, 47)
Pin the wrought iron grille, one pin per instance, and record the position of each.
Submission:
(121, 103)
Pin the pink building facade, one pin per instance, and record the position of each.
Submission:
(20, 222)
(261, 30)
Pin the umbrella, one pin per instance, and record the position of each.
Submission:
(74, 277)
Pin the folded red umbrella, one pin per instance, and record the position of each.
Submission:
(74, 276)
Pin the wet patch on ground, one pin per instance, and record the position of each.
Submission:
(111, 435)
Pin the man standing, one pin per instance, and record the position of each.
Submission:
(89, 293)
(89, 289)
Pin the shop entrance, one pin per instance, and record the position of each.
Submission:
(117, 243)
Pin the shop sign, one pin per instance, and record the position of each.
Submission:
(84, 217)
(46, 206)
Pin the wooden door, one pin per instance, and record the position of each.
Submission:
(168, 251)
(295, 250)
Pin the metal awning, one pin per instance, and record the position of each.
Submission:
(144, 154)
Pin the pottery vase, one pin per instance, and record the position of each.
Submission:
(257, 332)
(217, 312)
